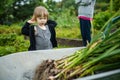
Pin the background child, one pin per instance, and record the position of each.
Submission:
(42, 35)
(85, 15)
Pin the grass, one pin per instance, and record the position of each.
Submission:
(71, 32)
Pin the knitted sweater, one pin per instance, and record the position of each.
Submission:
(85, 7)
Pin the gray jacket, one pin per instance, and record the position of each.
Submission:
(85, 7)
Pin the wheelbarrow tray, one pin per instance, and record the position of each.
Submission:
(21, 65)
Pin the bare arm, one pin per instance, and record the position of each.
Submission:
(85, 4)
(79, 2)
(32, 20)
(25, 29)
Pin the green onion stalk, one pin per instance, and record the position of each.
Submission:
(102, 54)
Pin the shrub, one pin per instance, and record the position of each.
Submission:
(116, 4)
(7, 39)
(11, 43)
(10, 29)
(100, 19)
(5, 50)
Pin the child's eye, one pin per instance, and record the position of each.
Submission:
(42, 18)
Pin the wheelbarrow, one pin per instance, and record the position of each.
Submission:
(21, 66)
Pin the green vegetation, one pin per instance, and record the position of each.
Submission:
(102, 54)
(72, 33)
(101, 18)
(11, 40)
(11, 43)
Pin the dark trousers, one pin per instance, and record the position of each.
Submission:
(85, 27)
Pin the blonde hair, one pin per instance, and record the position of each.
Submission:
(40, 11)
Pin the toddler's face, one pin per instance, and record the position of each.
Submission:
(41, 20)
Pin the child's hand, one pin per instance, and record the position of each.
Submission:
(32, 20)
